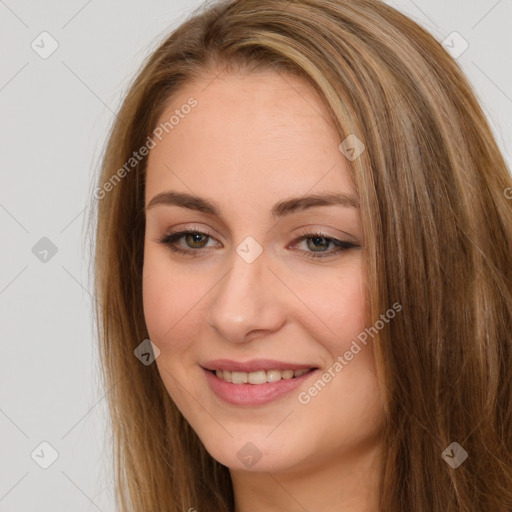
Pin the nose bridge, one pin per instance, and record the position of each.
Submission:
(244, 300)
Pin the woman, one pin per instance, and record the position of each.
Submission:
(303, 207)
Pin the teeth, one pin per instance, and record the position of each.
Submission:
(256, 377)
(259, 377)
(239, 377)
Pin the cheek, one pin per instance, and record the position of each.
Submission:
(168, 298)
(171, 305)
(338, 304)
(156, 297)
(348, 310)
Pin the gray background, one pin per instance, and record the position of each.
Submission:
(55, 114)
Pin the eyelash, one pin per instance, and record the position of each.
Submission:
(170, 240)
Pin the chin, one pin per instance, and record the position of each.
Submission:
(256, 453)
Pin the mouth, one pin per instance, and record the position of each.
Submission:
(256, 382)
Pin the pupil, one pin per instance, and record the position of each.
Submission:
(194, 239)
(318, 240)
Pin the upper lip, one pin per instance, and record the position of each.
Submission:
(253, 365)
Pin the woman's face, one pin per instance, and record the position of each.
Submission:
(271, 280)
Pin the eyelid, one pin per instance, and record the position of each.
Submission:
(190, 227)
(319, 231)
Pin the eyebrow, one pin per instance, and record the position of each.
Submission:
(280, 209)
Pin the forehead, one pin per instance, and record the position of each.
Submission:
(253, 136)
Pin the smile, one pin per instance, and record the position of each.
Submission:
(255, 387)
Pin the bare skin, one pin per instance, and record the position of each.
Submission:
(251, 142)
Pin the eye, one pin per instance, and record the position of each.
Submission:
(194, 240)
(318, 245)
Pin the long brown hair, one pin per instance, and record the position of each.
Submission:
(438, 239)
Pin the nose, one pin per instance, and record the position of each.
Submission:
(246, 302)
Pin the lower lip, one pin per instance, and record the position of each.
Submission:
(253, 394)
